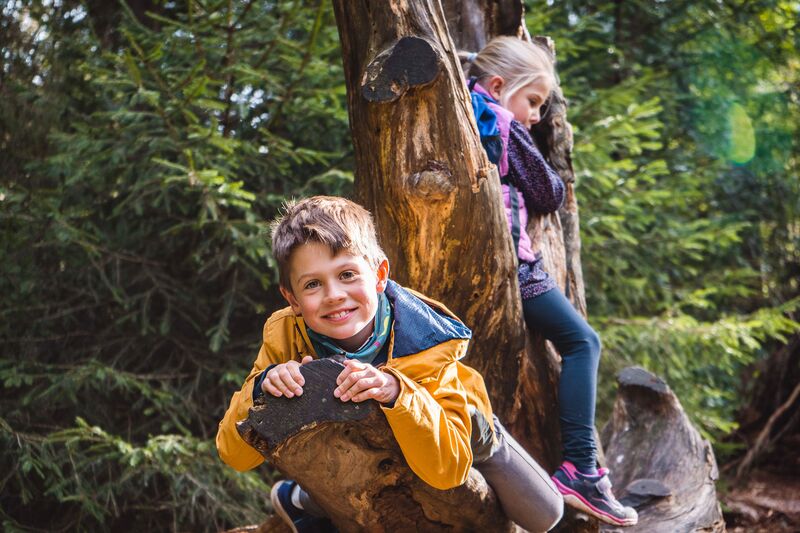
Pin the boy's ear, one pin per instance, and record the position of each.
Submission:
(287, 293)
(495, 86)
(383, 275)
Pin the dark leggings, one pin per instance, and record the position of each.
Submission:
(552, 315)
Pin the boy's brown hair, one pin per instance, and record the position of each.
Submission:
(336, 222)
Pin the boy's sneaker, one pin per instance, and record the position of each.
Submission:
(296, 518)
(592, 495)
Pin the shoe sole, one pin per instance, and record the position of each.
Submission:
(573, 499)
(278, 508)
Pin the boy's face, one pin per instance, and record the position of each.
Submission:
(337, 295)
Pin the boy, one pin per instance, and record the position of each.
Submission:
(402, 350)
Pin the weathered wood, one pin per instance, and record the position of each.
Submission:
(659, 462)
(472, 23)
(344, 454)
(286, 417)
(410, 62)
(558, 235)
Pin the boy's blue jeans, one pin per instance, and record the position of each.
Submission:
(552, 315)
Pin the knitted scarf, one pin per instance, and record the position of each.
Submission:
(326, 347)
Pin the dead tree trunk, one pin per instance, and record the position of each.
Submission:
(661, 464)
(436, 199)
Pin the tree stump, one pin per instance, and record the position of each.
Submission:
(345, 456)
(667, 469)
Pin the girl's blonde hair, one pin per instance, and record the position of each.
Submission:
(518, 62)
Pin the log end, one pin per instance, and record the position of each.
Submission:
(655, 452)
(635, 376)
(272, 420)
(642, 492)
(409, 62)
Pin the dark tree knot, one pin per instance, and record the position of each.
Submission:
(409, 62)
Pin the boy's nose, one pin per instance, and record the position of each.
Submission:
(334, 292)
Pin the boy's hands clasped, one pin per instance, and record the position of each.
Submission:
(357, 382)
(361, 381)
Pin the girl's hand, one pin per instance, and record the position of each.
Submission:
(360, 381)
(285, 379)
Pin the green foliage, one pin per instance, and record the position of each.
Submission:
(139, 166)
(92, 474)
(702, 361)
(686, 161)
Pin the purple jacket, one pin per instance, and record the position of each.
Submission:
(539, 188)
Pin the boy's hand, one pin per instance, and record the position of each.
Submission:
(285, 379)
(360, 381)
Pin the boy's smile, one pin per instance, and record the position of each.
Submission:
(337, 295)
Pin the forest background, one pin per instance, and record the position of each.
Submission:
(143, 147)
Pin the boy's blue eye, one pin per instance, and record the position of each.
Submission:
(347, 274)
(311, 284)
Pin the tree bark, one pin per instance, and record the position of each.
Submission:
(667, 469)
(421, 171)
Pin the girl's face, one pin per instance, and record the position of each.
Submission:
(526, 103)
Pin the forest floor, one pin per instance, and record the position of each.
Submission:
(769, 498)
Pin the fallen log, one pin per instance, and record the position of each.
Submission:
(662, 465)
(344, 455)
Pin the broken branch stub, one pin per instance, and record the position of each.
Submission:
(659, 462)
(345, 456)
(410, 62)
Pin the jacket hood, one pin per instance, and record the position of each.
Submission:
(419, 326)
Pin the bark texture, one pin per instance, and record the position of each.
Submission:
(344, 454)
(660, 463)
(421, 171)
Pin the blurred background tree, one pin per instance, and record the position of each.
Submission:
(144, 145)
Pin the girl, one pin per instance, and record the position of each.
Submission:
(510, 81)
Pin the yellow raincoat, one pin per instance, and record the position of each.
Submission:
(439, 402)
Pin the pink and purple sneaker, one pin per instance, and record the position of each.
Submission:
(592, 495)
